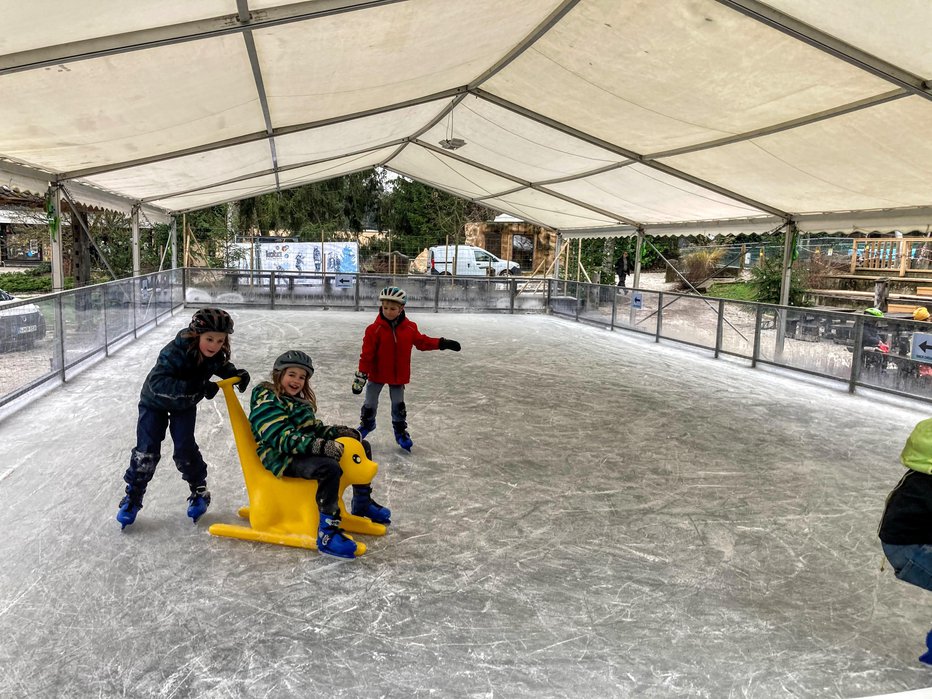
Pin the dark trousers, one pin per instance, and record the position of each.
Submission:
(150, 433)
(621, 278)
(326, 472)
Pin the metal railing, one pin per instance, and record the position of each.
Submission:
(85, 325)
(885, 354)
(52, 337)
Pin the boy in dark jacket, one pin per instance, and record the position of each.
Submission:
(169, 398)
(386, 359)
(906, 526)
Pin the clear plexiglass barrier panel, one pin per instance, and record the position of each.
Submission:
(691, 319)
(810, 340)
(47, 337)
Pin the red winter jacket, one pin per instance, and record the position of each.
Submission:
(386, 351)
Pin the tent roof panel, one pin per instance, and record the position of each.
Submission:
(91, 19)
(644, 194)
(130, 105)
(188, 172)
(652, 76)
(356, 135)
(894, 32)
(449, 173)
(871, 159)
(535, 206)
(266, 183)
(387, 54)
(511, 143)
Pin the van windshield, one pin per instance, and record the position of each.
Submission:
(482, 256)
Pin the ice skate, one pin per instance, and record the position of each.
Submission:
(402, 437)
(366, 422)
(129, 507)
(331, 539)
(198, 502)
(363, 505)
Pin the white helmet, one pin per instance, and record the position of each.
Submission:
(393, 293)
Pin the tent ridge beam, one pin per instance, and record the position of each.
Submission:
(196, 30)
(270, 171)
(270, 190)
(440, 116)
(829, 44)
(631, 155)
(523, 184)
(526, 43)
(250, 41)
(595, 209)
(865, 103)
(259, 136)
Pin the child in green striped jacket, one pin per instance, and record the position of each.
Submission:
(293, 442)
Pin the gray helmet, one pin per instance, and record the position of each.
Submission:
(294, 358)
(211, 320)
(393, 293)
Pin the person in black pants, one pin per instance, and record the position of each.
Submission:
(622, 268)
(906, 525)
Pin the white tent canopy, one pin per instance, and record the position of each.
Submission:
(593, 117)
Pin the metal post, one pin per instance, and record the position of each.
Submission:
(789, 236)
(272, 290)
(556, 256)
(755, 353)
(55, 232)
(720, 326)
(60, 317)
(106, 340)
(512, 292)
(637, 258)
(174, 240)
(614, 308)
(133, 287)
(135, 223)
(857, 351)
(659, 316)
(437, 293)
(356, 294)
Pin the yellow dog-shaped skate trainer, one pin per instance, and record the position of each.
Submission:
(284, 511)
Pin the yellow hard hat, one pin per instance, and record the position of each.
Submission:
(921, 313)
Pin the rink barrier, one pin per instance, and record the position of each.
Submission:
(85, 325)
(828, 343)
(81, 327)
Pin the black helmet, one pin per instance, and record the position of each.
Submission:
(294, 358)
(212, 320)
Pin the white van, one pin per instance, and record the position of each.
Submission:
(469, 261)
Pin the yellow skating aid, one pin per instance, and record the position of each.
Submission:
(283, 511)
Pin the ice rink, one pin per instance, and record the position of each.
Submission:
(584, 514)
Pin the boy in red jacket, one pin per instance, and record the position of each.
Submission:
(386, 359)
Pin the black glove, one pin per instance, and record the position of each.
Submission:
(345, 431)
(243, 380)
(327, 447)
(359, 382)
(446, 344)
(210, 389)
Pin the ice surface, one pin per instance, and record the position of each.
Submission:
(585, 513)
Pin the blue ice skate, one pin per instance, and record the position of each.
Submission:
(129, 508)
(331, 539)
(198, 502)
(363, 505)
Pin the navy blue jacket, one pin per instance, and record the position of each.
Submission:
(176, 382)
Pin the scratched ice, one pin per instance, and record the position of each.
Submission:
(585, 513)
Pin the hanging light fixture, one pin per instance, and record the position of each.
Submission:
(450, 143)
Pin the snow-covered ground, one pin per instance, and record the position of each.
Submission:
(584, 513)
